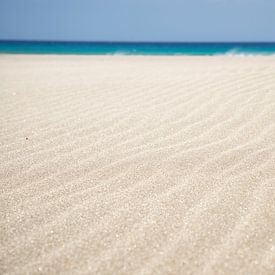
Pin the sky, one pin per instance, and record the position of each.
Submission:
(138, 20)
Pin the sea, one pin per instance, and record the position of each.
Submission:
(137, 48)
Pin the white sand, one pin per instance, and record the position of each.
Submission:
(137, 165)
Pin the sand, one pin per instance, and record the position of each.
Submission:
(137, 165)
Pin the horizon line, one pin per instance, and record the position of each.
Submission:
(129, 42)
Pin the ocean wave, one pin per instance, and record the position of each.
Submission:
(237, 51)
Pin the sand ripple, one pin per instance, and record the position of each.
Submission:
(137, 165)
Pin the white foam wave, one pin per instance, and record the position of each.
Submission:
(239, 52)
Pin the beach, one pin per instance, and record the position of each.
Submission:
(137, 164)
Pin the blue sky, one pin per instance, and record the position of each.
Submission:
(138, 20)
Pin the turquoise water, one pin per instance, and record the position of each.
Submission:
(99, 48)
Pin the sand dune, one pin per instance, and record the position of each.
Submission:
(137, 165)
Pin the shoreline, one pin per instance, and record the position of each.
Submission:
(141, 55)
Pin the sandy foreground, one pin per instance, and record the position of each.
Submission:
(137, 165)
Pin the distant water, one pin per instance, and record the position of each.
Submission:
(121, 48)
